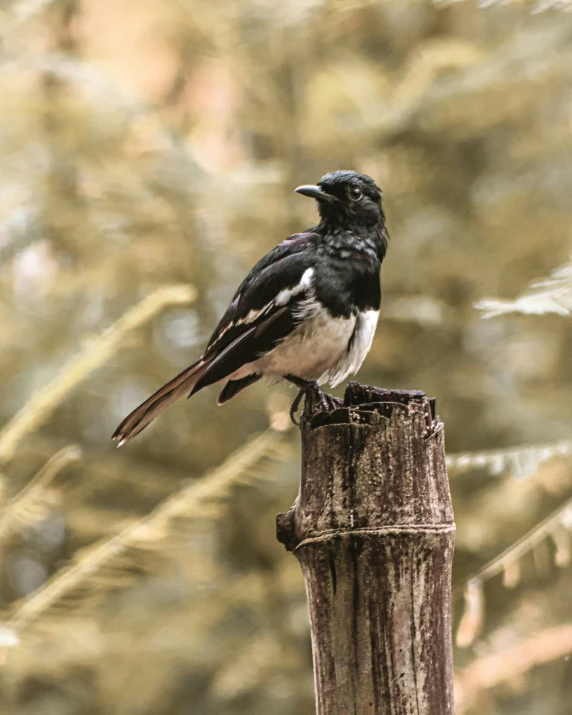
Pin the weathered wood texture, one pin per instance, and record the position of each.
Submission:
(373, 530)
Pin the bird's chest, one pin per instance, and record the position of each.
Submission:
(348, 283)
(313, 348)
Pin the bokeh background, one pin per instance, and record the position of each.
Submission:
(148, 154)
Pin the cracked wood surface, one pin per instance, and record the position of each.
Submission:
(373, 530)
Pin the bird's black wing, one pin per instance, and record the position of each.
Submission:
(264, 310)
(280, 269)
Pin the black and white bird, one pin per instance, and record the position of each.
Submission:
(306, 312)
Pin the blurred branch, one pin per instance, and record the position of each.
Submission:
(425, 67)
(557, 526)
(550, 295)
(31, 504)
(518, 461)
(536, 6)
(38, 409)
(257, 658)
(473, 615)
(561, 517)
(492, 670)
(102, 96)
(23, 10)
(198, 500)
(18, 232)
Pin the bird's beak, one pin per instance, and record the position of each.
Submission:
(315, 192)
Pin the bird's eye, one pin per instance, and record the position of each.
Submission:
(355, 194)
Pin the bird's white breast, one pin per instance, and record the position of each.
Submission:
(322, 348)
(311, 350)
(366, 323)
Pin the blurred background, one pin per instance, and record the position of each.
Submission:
(148, 155)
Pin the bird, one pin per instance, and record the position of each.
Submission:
(306, 313)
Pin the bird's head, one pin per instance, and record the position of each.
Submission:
(347, 199)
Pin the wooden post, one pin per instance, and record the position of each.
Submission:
(373, 530)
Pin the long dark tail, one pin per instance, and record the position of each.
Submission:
(143, 415)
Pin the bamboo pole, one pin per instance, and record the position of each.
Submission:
(373, 530)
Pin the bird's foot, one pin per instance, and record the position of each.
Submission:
(295, 405)
(319, 401)
(316, 400)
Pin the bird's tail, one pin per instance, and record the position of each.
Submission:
(143, 415)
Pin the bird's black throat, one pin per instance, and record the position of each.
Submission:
(349, 279)
(361, 241)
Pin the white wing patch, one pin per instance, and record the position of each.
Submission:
(305, 282)
(282, 298)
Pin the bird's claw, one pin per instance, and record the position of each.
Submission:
(316, 400)
(295, 405)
